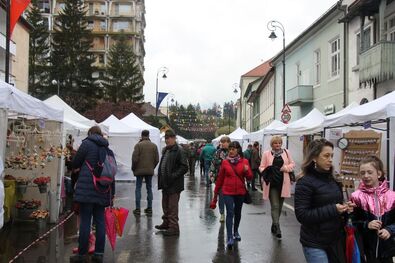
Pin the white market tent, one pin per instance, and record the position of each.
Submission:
(135, 122)
(122, 139)
(333, 118)
(275, 127)
(256, 136)
(181, 140)
(309, 124)
(236, 135)
(14, 102)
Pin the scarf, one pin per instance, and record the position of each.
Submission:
(233, 160)
(277, 153)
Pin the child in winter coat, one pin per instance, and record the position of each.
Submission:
(374, 214)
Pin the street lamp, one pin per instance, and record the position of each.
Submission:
(163, 70)
(272, 26)
(55, 82)
(234, 86)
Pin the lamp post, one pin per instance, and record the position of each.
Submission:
(163, 70)
(234, 86)
(56, 82)
(272, 26)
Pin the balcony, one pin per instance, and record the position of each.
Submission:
(377, 63)
(299, 95)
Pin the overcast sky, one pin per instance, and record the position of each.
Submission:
(208, 44)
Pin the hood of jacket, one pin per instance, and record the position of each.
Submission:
(379, 190)
(99, 140)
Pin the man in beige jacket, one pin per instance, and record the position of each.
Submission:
(144, 160)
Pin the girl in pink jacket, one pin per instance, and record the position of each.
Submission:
(374, 214)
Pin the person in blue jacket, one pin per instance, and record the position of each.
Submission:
(91, 199)
(207, 155)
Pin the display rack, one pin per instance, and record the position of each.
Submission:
(360, 144)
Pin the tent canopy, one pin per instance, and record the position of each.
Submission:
(309, 124)
(275, 127)
(118, 128)
(17, 101)
(381, 108)
(236, 135)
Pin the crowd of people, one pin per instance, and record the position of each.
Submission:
(320, 207)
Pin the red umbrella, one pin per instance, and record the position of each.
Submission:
(352, 250)
(110, 222)
(121, 216)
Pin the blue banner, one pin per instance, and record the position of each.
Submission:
(160, 97)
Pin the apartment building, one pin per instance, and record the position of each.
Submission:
(19, 51)
(107, 19)
(371, 56)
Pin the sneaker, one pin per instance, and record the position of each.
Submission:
(148, 211)
(162, 226)
(229, 244)
(222, 218)
(171, 232)
(237, 236)
(137, 211)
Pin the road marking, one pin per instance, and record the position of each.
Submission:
(290, 207)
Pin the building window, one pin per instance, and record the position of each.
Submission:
(90, 9)
(335, 58)
(389, 27)
(125, 9)
(90, 25)
(121, 25)
(101, 58)
(103, 25)
(317, 67)
(366, 42)
(256, 115)
(103, 9)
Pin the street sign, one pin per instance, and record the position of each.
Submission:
(286, 114)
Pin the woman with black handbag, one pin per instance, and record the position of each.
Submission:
(232, 174)
(276, 166)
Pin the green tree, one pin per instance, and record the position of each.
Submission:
(71, 60)
(124, 79)
(38, 53)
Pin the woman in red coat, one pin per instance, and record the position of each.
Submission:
(231, 180)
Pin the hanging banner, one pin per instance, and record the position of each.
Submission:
(160, 97)
(16, 9)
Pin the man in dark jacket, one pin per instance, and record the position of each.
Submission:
(172, 167)
(192, 158)
(91, 199)
(144, 160)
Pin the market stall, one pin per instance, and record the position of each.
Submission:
(378, 116)
(31, 148)
(236, 135)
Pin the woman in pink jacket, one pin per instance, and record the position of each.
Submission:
(275, 167)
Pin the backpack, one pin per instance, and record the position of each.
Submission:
(106, 168)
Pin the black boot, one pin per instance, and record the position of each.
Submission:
(96, 258)
(274, 229)
(278, 232)
(78, 259)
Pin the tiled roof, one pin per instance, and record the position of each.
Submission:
(260, 70)
(149, 110)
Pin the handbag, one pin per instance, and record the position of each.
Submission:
(292, 176)
(247, 196)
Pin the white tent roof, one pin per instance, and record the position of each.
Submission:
(311, 123)
(333, 117)
(254, 136)
(275, 127)
(69, 113)
(381, 108)
(237, 134)
(119, 128)
(15, 100)
(181, 140)
(133, 121)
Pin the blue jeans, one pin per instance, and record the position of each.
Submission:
(233, 204)
(221, 202)
(315, 255)
(207, 165)
(148, 185)
(87, 210)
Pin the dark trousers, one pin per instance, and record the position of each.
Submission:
(87, 211)
(233, 204)
(170, 210)
(192, 162)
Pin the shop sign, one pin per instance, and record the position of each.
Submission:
(335, 134)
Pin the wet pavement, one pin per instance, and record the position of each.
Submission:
(202, 237)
